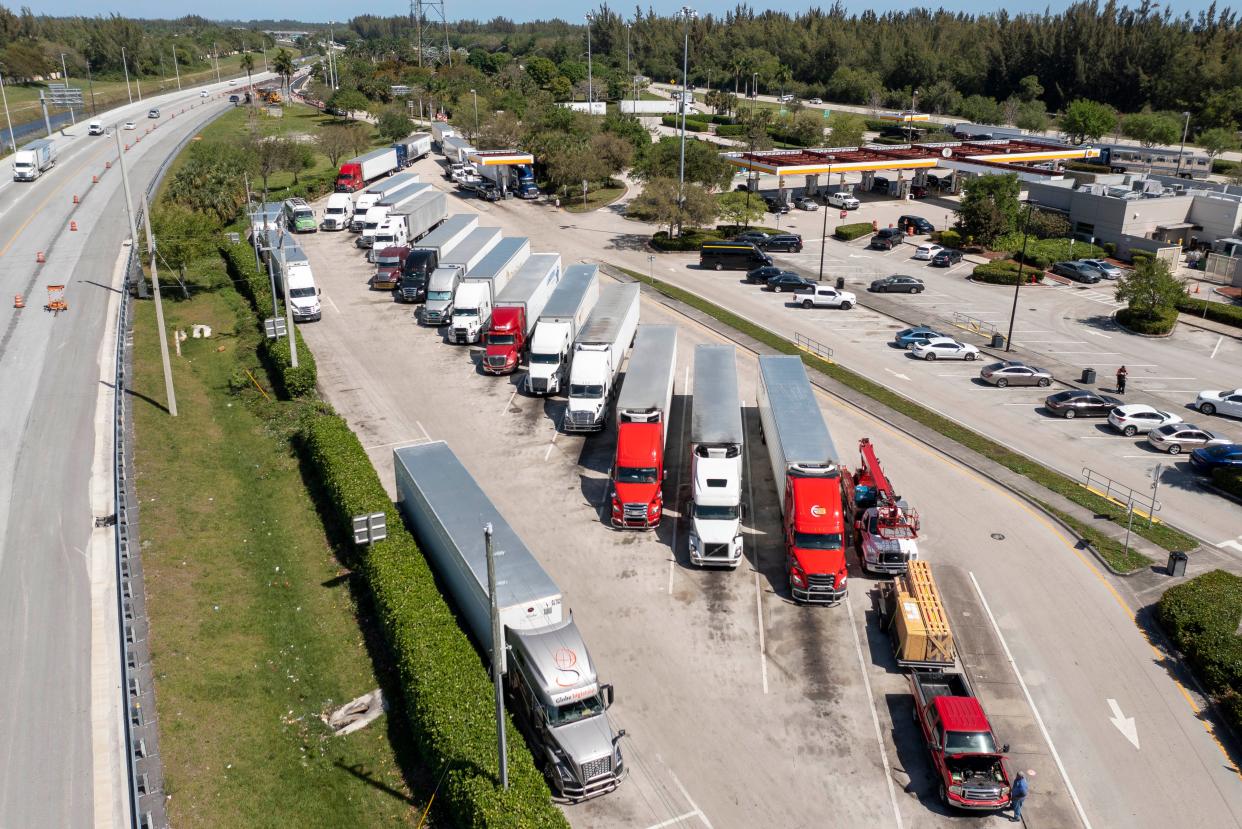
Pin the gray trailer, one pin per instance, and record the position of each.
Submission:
(422, 213)
(506, 257)
(472, 249)
(553, 689)
(567, 311)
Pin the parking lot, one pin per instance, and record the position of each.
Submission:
(742, 708)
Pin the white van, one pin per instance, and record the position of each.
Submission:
(95, 128)
(339, 212)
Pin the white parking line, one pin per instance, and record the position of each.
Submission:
(690, 800)
(675, 820)
(1217, 348)
(1069, 787)
(875, 720)
(509, 403)
(1092, 351)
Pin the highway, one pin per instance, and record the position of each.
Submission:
(742, 708)
(60, 710)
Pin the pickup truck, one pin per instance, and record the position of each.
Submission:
(825, 296)
(843, 200)
(973, 772)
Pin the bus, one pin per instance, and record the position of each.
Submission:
(1156, 160)
(734, 256)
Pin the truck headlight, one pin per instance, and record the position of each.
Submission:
(653, 509)
(957, 790)
(797, 576)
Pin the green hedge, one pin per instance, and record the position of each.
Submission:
(1005, 272)
(850, 232)
(950, 238)
(1044, 252)
(1224, 167)
(731, 130)
(691, 124)
(688, 240)
(255, 285)
(1217, 311)
(1141, 322)
(446, 689)
(1201, 616)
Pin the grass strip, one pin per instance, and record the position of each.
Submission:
(1109, 548)
(1159, 534)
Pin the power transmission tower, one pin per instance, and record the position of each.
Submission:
(427, 16)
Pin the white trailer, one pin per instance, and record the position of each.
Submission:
(422, 213)
(472, 301)
(378, 212)
(568, 309)
(647, 393)
(441, 131)
(34, 159)
(442, 281)
(516, 309)
(599, 351)
(413, 147)
(650, 107)
(371, 196)
(716, 445)
(456, 149)
(552, 684)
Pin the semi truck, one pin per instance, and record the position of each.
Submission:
(551, 683)
(359, 171)
(440, 131)
(456, 149)
(299, 217)
(378, 212)
(716, 445)
(388, 263)
(477, 290)
(292, 265)
(974, 772)
(599, 351)
(515, 178)
(643, 410)
(338, 212)
(34, 159)
(412, 148)
(421, 216)
(810, 484)
(516, 309)
(375, 193)
(888, 529)
(427, 255)
(567, 311)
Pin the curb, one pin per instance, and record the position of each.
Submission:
(1165, 336)
(1215, 490)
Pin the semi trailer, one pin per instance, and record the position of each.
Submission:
(567, 311)
(643, 412)
(716, 446)
(599, 351)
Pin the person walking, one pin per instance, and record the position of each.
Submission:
(1121, 380)
(1017, 796)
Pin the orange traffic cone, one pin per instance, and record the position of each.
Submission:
(39, 258)
(94, 179)
(75, 198)
(18, 301)
(73, 225)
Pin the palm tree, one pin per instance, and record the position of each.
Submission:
(282, 65)
(247, 63)
(783, 76)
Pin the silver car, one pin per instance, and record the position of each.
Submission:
(1012, 373)
(1175, 437)
(1107, 269)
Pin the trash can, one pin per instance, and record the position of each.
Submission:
(998, 340)
(1088, 376)
(1177, 563)
(840, 282)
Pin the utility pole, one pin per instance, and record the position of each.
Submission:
(159, 311)
(284, 279)
(687, 14)
(1182, 149)
(265, 69)
(1013, 313)
(90, 82)
(176, 70)
(216, 55)
(590, 85)
(824, 242)
(498, 656)
(125, 66)
(46, 121)
(64, 75)
(5, 95)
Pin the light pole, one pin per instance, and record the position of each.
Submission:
(5, 96)
(629, 74)
(1182, 149)
(216, 54)
(754, 85)
(90, 82)
(176, 70)
(475, 95)
(64, 73)
(824, 241)
(914, 98)
(125, 66)
(170, 393)
(590, 81)
(1026, 225)
(687, 14)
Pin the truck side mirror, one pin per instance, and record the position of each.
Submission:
(605, 691)
(1005, 748)
(320, 291)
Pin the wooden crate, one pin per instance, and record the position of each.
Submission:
(922, 626)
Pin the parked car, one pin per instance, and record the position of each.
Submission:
(1107, 269)
(775, 206)
(755, 237)
(480, 187)
(1175, 437)
(789, 281)
(153, 113)
(1135, 418)
(910, 337)
(1220, 402)
(945, 348)
(763, 273)
(1077, 271)
(927, 250)
(921, 225)
(1223, 456)
(946, 258)
(879, 184)
(843, 200)
(814, 101)
(825, 296)
(1080, 403)
(882, 241)
(1013, 373)
(897, 284)
(918, 191)
(234, 99)
(788, 242)
(806, 203)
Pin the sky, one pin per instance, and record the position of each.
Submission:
(325, 10)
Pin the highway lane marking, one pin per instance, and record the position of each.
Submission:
(1220, 340)
(690, 800)
(1082, 814)
(750, 510)
(875, 718)
(38, 210)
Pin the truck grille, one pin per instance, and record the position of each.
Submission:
(537, 384)
(715, 551)
(594, 768)
(580, 420)
(496, 362)
(634, 514)
(459, 335)
(892, 558)
(987, 793)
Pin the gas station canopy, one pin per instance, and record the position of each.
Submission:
(500, 158)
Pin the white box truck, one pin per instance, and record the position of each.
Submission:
(716, 446)
(457, 149)
(644, 408)
(34, 159)
(357, 172)
(550, 680)
(567, 311)
(441, 282)
(515, 310)
(375, 193)
(378, 212)
(440, 131)
(599, 351)
(292, 265)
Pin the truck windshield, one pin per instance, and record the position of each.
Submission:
(713, 513)
(546, 359)
(636, 475)
(969, 742)
(500, 339)
(440, 295)
(335, 211)
(582, 390)
(301, 293)
(467, 312)
(574, 711)
(817, 541)
(388, 260)
(303, 215)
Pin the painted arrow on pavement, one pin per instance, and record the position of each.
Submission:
(1124, 724)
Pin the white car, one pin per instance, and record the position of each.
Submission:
(814, 101)
(129, 125)
(1220, 402)
(945, 348)
(786, 98)
(843, 200)
(825, 296)
(927, 250)
(1133, 418)
(1178, 436)
(232, 82)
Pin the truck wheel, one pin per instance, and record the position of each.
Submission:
(806, 303)
(944, 795)
(719, 266)
(845, 306)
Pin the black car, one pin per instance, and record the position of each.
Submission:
(233, 99)
(1080, 403)
(775, 206)
(897, 284)
(788, 281)
(1077, 271)
(879, 184)
(919, 224)
(946, 258)
(755, 237)
(763, 273)
(880, 242)
(788, 242)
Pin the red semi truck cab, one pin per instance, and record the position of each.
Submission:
(638, 476)
(815, 536)
(349, 178)
(506, 340)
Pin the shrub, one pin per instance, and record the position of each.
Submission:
(1005, 272)
(294, 382)
(1045, 224)
(1142, 322)
(1046, 250)
(691, 124)
(950, 238)
(1138, 257)
(446, 689)
(1229, 480)
(1217, 311)
(850, 232)
(688, 240)
(1034, 259)
(731, 130)
(1110, 249)
(1201, 617)
(1224, 167)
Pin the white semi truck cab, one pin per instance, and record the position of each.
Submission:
(472, 311)
(599, 351)
(716, 440)
(568, 309)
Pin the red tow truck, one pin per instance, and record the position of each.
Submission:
(888, 527)
(974, 773)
